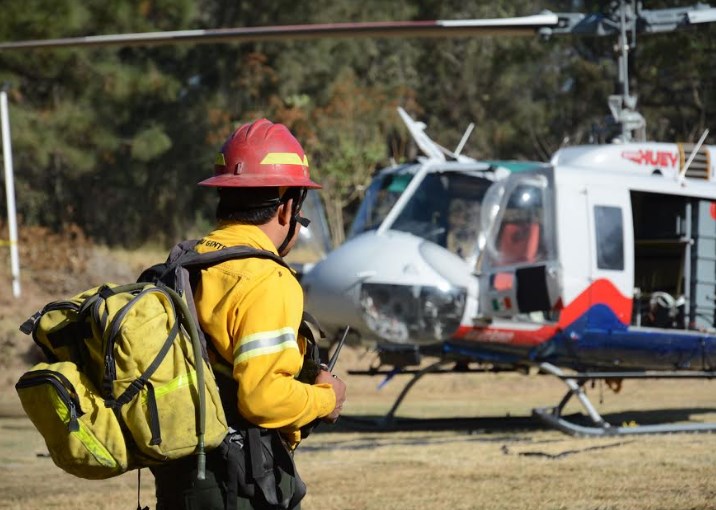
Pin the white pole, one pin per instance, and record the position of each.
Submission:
(10, 193)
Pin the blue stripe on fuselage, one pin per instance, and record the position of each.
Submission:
(599, 340)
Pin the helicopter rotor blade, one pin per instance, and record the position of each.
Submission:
(702, 16)
(519, 26)
(545, 24)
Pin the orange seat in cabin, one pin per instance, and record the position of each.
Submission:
(518, 244)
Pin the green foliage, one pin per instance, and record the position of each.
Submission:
(115, 139)
(350, 144)
(150, 143)
(89, 126)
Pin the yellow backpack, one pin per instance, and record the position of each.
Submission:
(128, 383)
(83, 436)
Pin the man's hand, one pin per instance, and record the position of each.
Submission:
(339, 388)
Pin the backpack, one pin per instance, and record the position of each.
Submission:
(127, 383)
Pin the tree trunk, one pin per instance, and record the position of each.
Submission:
(335, 220)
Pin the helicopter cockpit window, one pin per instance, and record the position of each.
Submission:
(380, 197)
(522, 235)
(445, 209)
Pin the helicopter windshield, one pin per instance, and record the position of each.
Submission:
(380, 197)
(445, 209)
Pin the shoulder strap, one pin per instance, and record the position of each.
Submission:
(183, 262)
(192, 259)
(183, 255)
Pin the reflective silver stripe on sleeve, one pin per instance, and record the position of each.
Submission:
(266, 342)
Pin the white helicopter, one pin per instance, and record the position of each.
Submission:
(600, 261)
(412, 247)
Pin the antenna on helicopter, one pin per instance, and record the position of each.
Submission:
(464, 138)
(682, 173)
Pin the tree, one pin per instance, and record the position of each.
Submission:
(351, 144)
(90, 125)
(115, 139)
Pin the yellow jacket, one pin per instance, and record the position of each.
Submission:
(251, 309)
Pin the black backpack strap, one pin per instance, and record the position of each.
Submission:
(310, 328)
(263, 467)
(261, 471)
(235, 470)
(191, 259)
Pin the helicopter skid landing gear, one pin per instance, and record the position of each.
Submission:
(387, 420)
(552, 416)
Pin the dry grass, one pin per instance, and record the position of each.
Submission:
(462, 463)
(465, 463)
(468, 471)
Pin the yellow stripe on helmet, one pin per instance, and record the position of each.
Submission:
(284, 158)
(220, 159)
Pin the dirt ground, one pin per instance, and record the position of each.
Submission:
(461, 441)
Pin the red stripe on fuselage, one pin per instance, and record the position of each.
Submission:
(601, 292)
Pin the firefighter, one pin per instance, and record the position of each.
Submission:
(251, 311)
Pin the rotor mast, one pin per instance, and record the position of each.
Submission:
(623, 106)
(621, 17)
(632, 18)
(624, 19)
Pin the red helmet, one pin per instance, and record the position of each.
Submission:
(261, 154)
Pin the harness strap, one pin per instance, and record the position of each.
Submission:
(233, 461)
(153, 416)
(284, 459)
(139, 485)
(261, 471)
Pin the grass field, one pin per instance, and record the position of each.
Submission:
(487, 454)
(471, 444)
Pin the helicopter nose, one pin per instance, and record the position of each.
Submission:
(332, 287)
(406, 314)
(394, 288)
(424, 311)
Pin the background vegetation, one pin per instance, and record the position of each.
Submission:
(109, 143)
(113, 140)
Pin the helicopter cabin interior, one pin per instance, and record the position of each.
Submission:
(674, 261)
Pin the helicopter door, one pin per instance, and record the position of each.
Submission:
(611, 256)
(518, 264)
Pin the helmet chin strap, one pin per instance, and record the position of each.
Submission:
(289, 236)
(295, 219)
